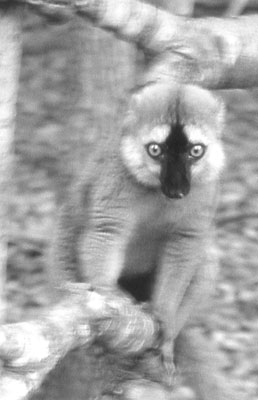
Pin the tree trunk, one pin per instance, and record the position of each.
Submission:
(9, 70)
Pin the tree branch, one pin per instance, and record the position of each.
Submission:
(31, 349)
(217, 53)
(212, 52)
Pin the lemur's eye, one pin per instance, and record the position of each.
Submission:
(197, 151)
(154, 150)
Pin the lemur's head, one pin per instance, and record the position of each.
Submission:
(171, 137)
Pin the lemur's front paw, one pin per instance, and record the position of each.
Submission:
(167, 359)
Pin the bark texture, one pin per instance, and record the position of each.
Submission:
(9, 70)
(108, 331)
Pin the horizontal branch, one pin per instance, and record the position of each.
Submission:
(31, 349)
(213, 52)
(217, 53)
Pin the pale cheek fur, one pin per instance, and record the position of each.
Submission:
(209, 168)
(153, 167)
(135, 161)
(216, 160)
(131, 155)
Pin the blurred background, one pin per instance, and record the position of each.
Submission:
(73, 81)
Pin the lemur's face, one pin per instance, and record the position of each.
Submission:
(171, 140)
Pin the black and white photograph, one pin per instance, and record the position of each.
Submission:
(128, 199)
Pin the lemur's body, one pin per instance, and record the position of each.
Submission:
(142, 213)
